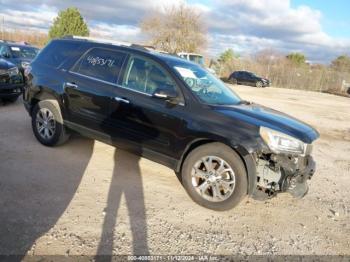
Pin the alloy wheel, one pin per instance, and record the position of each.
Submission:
(259, 84)
(45, 123)
(213, 178)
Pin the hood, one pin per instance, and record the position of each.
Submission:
(18, 61)
(4, 64)
(258, 115)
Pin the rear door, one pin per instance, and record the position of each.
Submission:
(90, 86)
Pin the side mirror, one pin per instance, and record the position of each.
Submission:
(166, 94)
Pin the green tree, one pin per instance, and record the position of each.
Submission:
(68, 22)
(227, 56)
(297, 58)
(341, 63)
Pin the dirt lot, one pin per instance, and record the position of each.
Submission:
(86, 197)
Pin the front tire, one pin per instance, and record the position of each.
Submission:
(47, 123)
(215, 177)
(259, 84)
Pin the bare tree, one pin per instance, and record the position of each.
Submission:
(179, 28)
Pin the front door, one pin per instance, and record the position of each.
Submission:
(149, 124)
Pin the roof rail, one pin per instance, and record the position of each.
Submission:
(109, 41)
(100, 40)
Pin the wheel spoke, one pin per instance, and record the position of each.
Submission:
(46, 135)
(50, 117)
(41, 129)
(203, 187)
(216, 192)
(52, 124)
(41, 115)
(224, 170)
(199, 173)
(221, 167)
(207, 161)
(40, 119)
(227, 184)
(51, 130)
(47, 115)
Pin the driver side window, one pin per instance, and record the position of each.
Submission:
(146, 76)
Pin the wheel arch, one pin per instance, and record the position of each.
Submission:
(247, 159)
(44, 95)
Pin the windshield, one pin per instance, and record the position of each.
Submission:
(252, 74)
(197, 59)
(24, 52)
(204, 85)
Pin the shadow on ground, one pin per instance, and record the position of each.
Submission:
(38, 183)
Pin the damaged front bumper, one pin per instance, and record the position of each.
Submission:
(283, 173)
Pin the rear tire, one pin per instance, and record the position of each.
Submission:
(233, 81)
(220, 185)
(47, 123)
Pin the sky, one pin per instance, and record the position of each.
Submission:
(319, 29)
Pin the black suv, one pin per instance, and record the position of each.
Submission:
(248, 78)
(11, 81)
(171, 111)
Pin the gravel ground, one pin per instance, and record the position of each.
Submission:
(88, 198)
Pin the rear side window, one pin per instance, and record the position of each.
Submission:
(100, 63)
(57, 52)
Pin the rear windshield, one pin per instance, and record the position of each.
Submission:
(57, 52)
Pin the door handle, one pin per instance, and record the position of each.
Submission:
(72, 85)
(123, 100)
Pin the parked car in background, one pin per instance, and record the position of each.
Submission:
(18, 53)
(248, 78)
(11, 81)
(171, 111)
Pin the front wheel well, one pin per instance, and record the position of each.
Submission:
(40, 97)
(247, 159)
(190, 148)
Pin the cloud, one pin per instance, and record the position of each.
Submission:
(246, 26)
(258, 24)
(28, 19)
(124, 32)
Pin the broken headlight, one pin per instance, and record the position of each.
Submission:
(25, 65)
(281, 143)
(13, 71)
